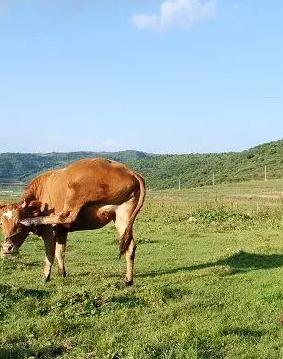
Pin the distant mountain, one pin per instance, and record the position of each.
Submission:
(160, 171)
(20, 167)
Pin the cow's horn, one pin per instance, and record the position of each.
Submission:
(24, 204)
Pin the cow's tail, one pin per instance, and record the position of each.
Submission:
(128, 234)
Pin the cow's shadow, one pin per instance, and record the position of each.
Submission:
(13, 293)
(239, 262)
(21, 350)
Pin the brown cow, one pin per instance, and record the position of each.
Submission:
(88, 194)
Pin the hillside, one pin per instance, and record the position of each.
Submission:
(160, 171)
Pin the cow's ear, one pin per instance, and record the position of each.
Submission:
(2, 208)
(1, 213)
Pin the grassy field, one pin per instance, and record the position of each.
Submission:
(209, 284)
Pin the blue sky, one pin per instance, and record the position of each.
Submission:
(173, 76)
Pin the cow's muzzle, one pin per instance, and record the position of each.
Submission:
(8, 247)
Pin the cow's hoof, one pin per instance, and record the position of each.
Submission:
(46, 279)
(129, 283)
(62, 274)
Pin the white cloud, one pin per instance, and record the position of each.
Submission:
(176, 13)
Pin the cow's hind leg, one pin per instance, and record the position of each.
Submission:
(130, 258)
(123, 214)
(67, 216)
(60, 253)
(73, 203)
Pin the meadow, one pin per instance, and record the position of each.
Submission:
(208, 283)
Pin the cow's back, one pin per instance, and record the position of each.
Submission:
(90, 180)
(101, 179)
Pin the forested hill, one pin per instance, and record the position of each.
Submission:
(160, 171)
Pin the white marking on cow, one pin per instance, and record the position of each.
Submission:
(8, 214)
(108, 208)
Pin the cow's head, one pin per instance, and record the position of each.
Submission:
(14, 231)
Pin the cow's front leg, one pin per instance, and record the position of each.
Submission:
(49, 243)
(60, 253)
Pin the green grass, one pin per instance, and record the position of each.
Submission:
(207, 287)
